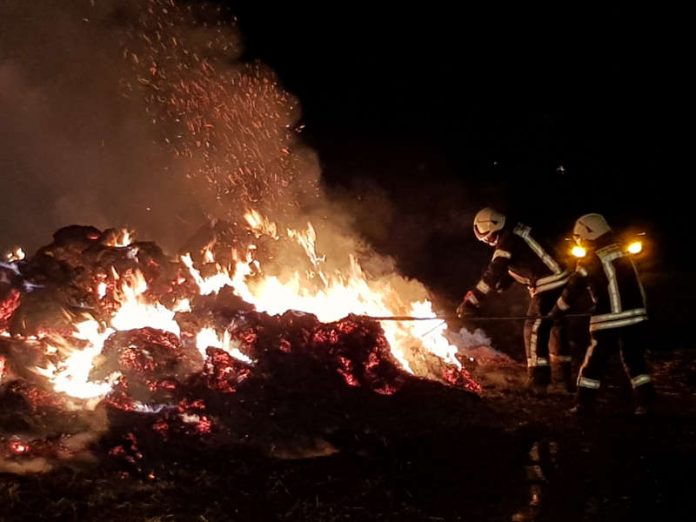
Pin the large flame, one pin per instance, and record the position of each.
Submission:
(312, 288)
(71, 375)
(332, 296)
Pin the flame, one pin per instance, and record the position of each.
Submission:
(182, 305)
(211, 284)
(336, 295)
(208, 255)
(307, 240)
(122, 238)
(71, 375)
(208, 337)
(260, 225)
(432, 337)
(329, 294)
(136, 310)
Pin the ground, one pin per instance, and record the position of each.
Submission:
(427, 453)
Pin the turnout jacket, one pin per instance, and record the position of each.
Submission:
(612, 279)
(520, 257)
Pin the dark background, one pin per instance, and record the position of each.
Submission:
(547, 113)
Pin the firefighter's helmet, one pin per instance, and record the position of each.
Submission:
(589, 227)
(487, 225)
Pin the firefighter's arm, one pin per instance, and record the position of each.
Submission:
(492, 278)
(577, 283)
(505, 282)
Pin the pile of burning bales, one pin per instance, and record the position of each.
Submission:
(109, 350)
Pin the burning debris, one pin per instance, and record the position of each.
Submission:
(248, 332)
(106, 335)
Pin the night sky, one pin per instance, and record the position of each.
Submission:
(547, 114)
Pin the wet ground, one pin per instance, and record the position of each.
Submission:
(428, 453)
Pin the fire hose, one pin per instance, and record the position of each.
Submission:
(467, 317)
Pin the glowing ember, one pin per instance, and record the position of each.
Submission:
(8, 305)
(18, 447)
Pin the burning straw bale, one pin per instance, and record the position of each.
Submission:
(97, 326)
(143, 354)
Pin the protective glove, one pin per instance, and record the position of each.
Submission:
(469, 306)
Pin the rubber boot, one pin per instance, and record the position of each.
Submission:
(644, 397)
(539, 378)
(585, 402)
(563, 376)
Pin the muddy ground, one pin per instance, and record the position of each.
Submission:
(427, 453)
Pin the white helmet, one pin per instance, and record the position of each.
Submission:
(589, 227)
(487, 223)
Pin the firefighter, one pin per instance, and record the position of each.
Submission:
(619, 318)
(519, 256)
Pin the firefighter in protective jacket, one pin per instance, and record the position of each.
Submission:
(619, 318)
(519, 256)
